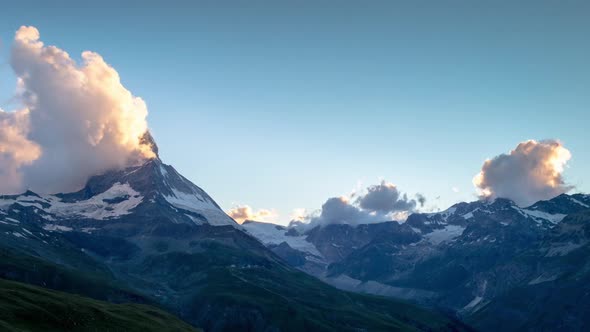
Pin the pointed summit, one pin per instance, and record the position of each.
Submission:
(148, 140)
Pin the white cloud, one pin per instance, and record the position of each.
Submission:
(527, 174)
(78, 119)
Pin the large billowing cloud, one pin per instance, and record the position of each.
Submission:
(527, 174)
(382, 202)
(244, 212)
(78, 120)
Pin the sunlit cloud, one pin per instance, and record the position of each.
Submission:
(76, 120)
(529, 173)
(15, 149)
(243, 213)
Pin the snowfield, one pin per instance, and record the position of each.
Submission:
(271, 234)
(117, 201)
(446, 234)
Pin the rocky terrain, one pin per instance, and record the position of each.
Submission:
(493, 263)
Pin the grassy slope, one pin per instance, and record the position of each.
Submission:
(296, 302)
(29, 308)
(33, 270)
(230, 283)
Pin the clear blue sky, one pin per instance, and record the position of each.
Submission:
(281, 105)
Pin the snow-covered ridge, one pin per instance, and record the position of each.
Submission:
(540, 217)
(443, 215)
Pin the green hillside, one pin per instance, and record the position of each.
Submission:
(29, 308)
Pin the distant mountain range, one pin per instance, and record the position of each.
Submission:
(496, 265)
(147, 235)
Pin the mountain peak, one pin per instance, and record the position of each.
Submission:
(148, 140)
(161, 184)
(153, 193)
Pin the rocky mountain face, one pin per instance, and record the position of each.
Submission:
(551, 289)
(493, 263)
(146, 234)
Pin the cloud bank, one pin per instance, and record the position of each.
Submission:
(244, 212)
(77, 120)
(382, 202)
(529, 173)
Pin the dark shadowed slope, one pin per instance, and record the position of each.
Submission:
(555, 294)
(29, 308)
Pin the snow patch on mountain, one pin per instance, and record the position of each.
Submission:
(444, 214)
(579, 203)
(446, 234)
(540, 216)
(18, 235)
(563, 249)
(468, 215)
(186, 196)
(23, 200)
(191, 202)
(471, 305)
(117, 201)
(59, 228)
(271, 234)
(196, 203)
(544, 277)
